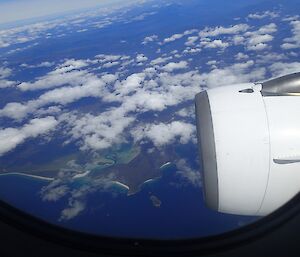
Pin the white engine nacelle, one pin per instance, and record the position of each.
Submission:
(249, 141)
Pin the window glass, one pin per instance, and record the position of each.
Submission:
(97, 117)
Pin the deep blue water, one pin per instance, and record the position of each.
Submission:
(182, 213)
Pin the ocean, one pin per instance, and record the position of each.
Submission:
(182, 213)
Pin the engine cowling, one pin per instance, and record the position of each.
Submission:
(249, 143)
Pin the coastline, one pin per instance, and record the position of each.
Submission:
(82, 175)
(121, 185)
(165, 165)
(28, 175)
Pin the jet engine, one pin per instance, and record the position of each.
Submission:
(249, 143)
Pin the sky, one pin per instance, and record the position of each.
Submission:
(16, 10)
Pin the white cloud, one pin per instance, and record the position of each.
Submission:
(294, 41)
(7, 83)
(270, 58)
(212, 63)
(137, 94)
(193, 177)
(170, 67)
(98, 132)
(238, 40)
(241, 56)
(163, 134)
(258, 47)
(141, 16)
(74, 209)
(55, 193)
(187, 112)
(77, 197)
(189, 50)
(214, 32)
(110, 64)
(218, 43)
(130, 84)
(179, 36)
(262, 15)
(234, 74)
(52, 80)
(10, 138)
(257, 40)
(173, 38)
(281, 68)
(5, 73)
(68, 73)
(40, 65)
(150, 39)
(108, 58)
(141, 58)
(89, 86)
(160, 60)
(191, 41)
(267, 29)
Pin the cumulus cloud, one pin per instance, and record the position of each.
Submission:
(4, 74)
(6, 83)
(77, 196)
(179, 36)
(160, 60)
(193, 177)
(150, 39)
(217, 31)
(137, 94)
(218, 43)
(141, 16)
(10, 138)
(141, 58)
(281, 68)
(237, 73)
(171, 66)
(110, 64)
(52, 80)
(163, 134)
(103, 58)
(98, 132)
(257, 40)
(74, 209)
(92, 87)
(186, 112)
(262, 15)
(241, 56)
(240, 34)
(294, 41)
(173, 38)
(68, 73)
(189, 50)
(40, 65)
(55, 193)
(270, 58)
(191, 41)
